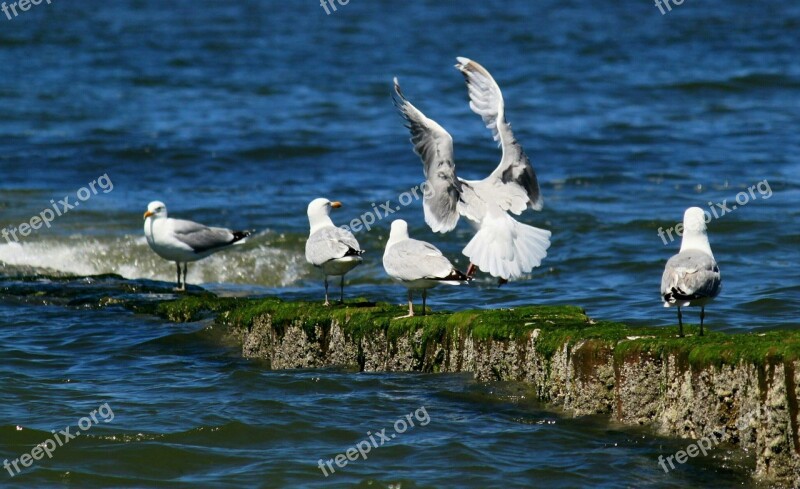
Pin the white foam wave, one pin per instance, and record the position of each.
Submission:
(257, 262)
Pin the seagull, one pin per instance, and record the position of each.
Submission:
(184, 241)
(691, 278)
(417, 265)
(333, 249)
(502, 246)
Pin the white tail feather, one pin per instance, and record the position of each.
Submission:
(507, 248)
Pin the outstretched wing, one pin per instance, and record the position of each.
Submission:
(513, 183)
(434, 146)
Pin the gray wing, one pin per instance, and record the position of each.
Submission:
(201, 238)
(514, 180)
(434, 146)
(412, 259)
(689, 276)
(330, 244)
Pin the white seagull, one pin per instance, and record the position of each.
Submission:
(691, 278)
(333, 249)
(502, 246)
(417, 265)
(184, 241)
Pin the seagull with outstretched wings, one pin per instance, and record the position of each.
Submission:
(502, 246)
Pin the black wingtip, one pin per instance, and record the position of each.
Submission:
(458, 275)
(240, 235)
(400, 105)
(397, 89)
(399, 99)
(354, 252)
(677, 294)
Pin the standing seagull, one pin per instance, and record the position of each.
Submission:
(691, 278)
(333, 249)
(184, 241)
(417, 265)
(502, 246)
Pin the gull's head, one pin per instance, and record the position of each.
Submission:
(322, 207)
(399, 230)
(156, 209)
(319, 211)
(694, 220)
(694, 231)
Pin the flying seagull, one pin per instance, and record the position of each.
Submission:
(333, 249)
(184, 241)
(417, 265)
(502, 246)
(691, 278)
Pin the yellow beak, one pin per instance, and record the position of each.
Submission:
(336, 204)
(148, 214)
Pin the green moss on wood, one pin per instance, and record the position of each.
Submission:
(558, 325)
(195, 307)
(718, 349)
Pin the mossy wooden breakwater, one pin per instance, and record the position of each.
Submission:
(742, 388)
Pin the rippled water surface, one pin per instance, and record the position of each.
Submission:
(238, 114)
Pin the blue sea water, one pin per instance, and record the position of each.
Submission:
(238, 114)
